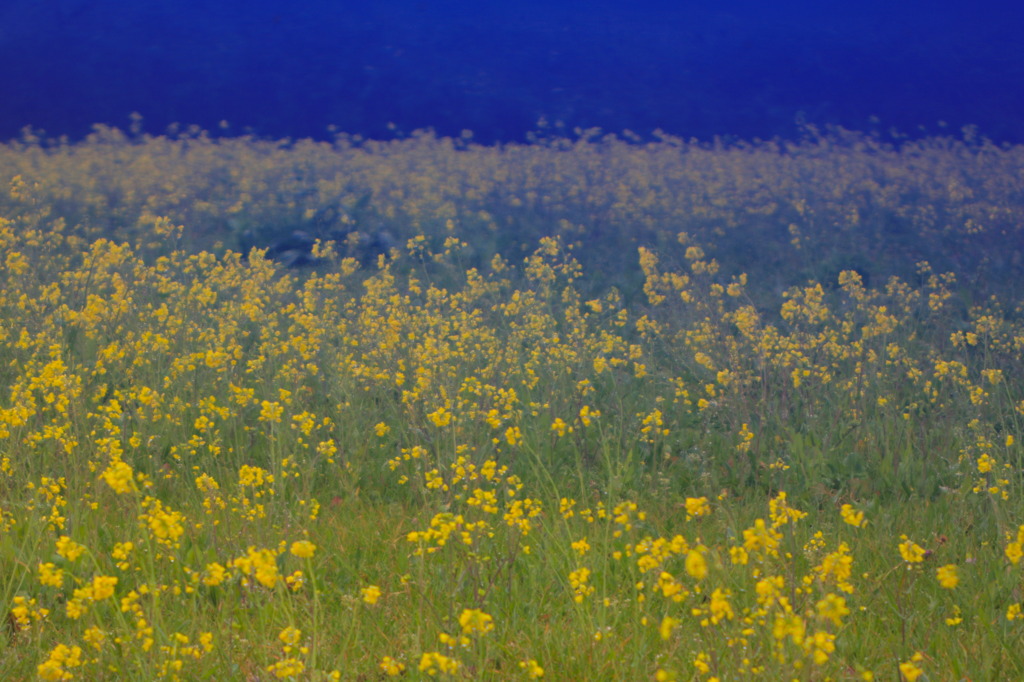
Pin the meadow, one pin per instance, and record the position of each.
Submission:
(610, 409)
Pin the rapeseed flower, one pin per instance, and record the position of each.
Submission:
(833, 609)
(761, 538)
(696, 565)
(371, 594)
(697, 506)
(475, 622)
(287, 668)
(581, 546)
(270, 411)
(303, 549)
(853, 517)
(214, 574)
(532, 669)
(948, 576)
(578, 581)
(719, 607)
(820, 644)
(433, 663)
(790, 625)
(69, 549)
(95, 637)
(910, 669)
(290, 637)
(62, 659)
(260, 564)
(911, 552)
(50, 575)
(391, 667)
(668, 625)
(120, 477)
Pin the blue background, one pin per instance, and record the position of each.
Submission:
(290, 68)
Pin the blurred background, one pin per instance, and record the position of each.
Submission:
(502, 69)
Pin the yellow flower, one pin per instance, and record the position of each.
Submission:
(270, 411)
(911, 552)
(738, 556)
(103, 587)
(260, 564)
(50, 575)
(513, 435)
(62, 658)
(746, 435)
(119, 476)
(820, 644)
(1014, 552)
(948, 576)
(215, 575)
(668, 624)
(433, 662)
(475, 622)
(76, 607)
(440, 417)
(697, 506)
(696, 565)
(68, 548)
(253, 477)
(24, 611)
(768, 589)
(852, 516)
(95, 637)
(391, 667)
(560, 427)
(720, 607)
(381, 429)
(578, 580)
(532, 669)
(303, 549)
(371, 594)
(295, 581)
(669, 587)
(164, 524)
(588, 414)
(833, 608)
(290, 636)
(289, 667)
(910, 670)
(761, 538)
(789, 625)
(121, 552)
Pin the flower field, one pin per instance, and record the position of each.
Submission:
(607, 409)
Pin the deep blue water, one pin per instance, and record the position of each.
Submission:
(383, 67)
